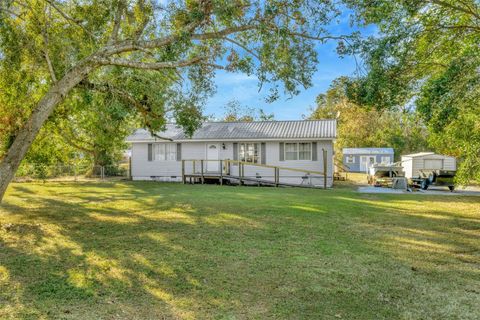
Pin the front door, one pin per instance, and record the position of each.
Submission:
(213, 157)
(366, 162)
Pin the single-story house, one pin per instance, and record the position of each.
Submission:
(360, 159)
(260, 145)
(413, 163)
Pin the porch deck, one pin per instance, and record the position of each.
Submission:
(199, 174)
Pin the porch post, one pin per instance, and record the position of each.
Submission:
(183, 172)
(324, 168)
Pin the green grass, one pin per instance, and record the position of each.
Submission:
(139, 250)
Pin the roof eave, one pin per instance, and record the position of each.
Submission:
(230, 140)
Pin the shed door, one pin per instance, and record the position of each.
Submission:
(433, 164)
(366, 162)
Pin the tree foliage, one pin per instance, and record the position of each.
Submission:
(360, 126)
(234, 111)
(49, 48)
(425, 55)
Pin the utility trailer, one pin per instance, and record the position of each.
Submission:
(381, 175)
(434, 177)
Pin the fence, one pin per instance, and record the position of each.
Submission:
(72, 172)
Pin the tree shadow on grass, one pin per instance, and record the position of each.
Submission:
(172, 251)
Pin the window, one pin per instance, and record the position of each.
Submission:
(385, 160)
(304, 151)
(248, 152)
(298, 151)
(164, 151)
(350, 159)
(291, 152)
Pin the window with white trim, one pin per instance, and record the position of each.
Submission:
(298, 151)
(350, 159)
(164, 151)
(385, 160)
(248, 152)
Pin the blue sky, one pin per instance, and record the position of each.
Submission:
(240, 87)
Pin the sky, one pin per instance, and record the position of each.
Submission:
(244, 89)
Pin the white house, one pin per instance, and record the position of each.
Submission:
(413, 163)
(296, 148)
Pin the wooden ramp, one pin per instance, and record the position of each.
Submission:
(199, 174)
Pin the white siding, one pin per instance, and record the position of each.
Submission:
(407, 164)
(142, 169)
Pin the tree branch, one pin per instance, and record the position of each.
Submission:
(45, 52)
(444, 4)
(243, 47)
(68, 18)
(71, 140)
(148, 65)
(127, 98)
(116, 23)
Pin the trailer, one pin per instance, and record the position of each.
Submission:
(435, 178)
(414, 163)
(381, 175)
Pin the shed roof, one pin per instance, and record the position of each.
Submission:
(418, 154)
(256, 130)
(367, 151)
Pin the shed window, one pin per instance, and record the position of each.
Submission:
(248, 152)
(298, 151)
(350, 159)
(164, 151)
(385, 160)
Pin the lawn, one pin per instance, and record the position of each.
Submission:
(140, 250)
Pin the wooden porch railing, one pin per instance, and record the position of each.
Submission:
(225, 170)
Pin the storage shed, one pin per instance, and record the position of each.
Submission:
(413, 163)
(360, 159)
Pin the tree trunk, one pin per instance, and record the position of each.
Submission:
(44, 108)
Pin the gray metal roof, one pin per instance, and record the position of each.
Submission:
(367, 151)
(418, 154)
(257, 130)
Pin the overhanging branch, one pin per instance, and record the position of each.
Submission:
(148, 65)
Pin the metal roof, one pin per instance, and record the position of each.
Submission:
(418, 154)
(367, 151)
(256, 130)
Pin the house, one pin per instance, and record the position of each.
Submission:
(413, 163)
(360, 159)
(254, 149)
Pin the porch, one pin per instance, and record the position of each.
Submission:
(248, 173)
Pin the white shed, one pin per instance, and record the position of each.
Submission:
(413, 163)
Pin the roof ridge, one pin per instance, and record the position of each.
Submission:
(266, 121)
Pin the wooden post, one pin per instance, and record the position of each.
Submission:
(240, 169)
(203, 178)
(277, 178)
(221, 172)
(324, 168)
(183, 172)
(130, 168)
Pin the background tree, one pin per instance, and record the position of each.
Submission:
(360, 126)
(426, 54)
(50, 47)
(234, 111)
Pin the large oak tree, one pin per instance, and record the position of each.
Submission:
(49, 49)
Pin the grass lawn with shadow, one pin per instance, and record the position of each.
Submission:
(147, 250)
